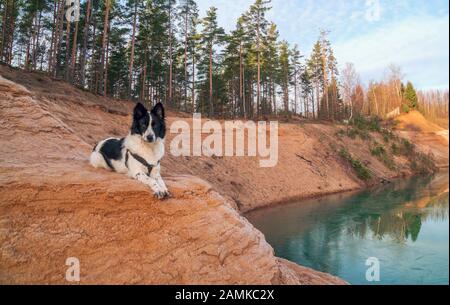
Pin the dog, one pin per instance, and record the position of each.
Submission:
(140, 153)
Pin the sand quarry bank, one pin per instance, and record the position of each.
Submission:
(53, 205)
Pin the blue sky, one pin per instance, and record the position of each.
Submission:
(372, 34)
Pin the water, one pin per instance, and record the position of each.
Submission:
(404, 225)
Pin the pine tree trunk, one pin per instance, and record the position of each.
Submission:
(8, 24)
(27, 56)
(243, 92)
(94, 65)
(274, 98)
(193, 80)
(144, 78)
(133, 40)
(325, 87)
(12, 24)
(241, 82)
(211, 109)
(67, 63)
(60, 34)
(52, 42)
(185, 58)
(104, 45)
(83, 53)
(318, 100)
(34, 41)
(258, 88)
(105, 86)
(295, 91)
(170, 55)
(4, 24)
(74, 53)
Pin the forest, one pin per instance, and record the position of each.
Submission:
(162, 51)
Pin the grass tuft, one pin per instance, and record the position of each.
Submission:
(361, 170)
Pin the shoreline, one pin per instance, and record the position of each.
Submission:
(299, 199)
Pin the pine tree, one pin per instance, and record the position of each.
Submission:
(188, 16)
(83, 53)
(134, 4)
(212, 35)
(170, 17)
(195, 39)
(271, 66)
(118, 73)
(411, 95)
(297, 71)
(103, 86)
(10, 12)
(307, 92)
(286, 71)
(151, 50)
(258, 25)
(316, 75)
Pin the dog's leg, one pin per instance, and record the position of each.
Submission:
(152, 183)
(156, 174)
(136, 171)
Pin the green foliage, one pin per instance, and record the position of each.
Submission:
(353, 133)
(378, 151)
(395, 149)
(403, 148)
(423, 164)
(411, 96)
(388, 135)
(361, 170)
(381, 154)
(419, 162)
(367, 123)
(341, 133)
(405, 108)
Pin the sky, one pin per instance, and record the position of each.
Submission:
(372, 34)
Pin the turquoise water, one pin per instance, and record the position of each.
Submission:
(404, 225)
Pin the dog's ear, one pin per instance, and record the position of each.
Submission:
(158, 110)
(139, 111)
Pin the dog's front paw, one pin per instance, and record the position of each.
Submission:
(168, 194)
(162, 195)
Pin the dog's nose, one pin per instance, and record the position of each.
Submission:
(150, 138)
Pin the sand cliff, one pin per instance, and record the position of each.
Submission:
(53, 205)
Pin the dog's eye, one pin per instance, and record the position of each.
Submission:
(153, 124)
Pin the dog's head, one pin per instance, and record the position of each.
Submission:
(150, 125)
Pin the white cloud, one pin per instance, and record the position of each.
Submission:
(419, 45)
(410, 33)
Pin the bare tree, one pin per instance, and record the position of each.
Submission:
(349, 80)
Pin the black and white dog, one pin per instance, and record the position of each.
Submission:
(139, 154)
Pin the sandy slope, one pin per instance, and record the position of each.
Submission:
(53, 205)
(308, 163)
(429, 138)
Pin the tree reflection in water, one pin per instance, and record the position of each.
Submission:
(403, 223)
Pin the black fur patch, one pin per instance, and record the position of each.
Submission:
(112, 149)
(158, 126)
(141, 120)
(159, 121)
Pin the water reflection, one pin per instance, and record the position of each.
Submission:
(398, 212)
(405, 224)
